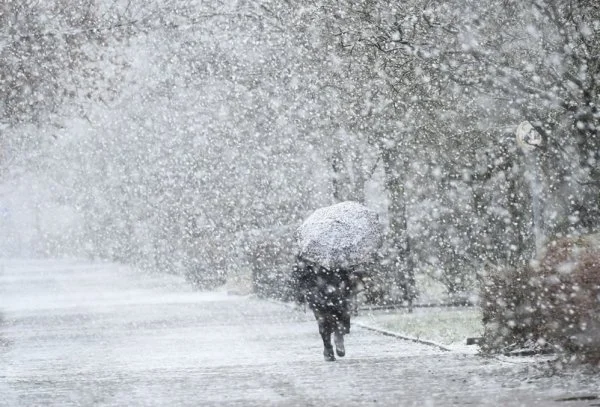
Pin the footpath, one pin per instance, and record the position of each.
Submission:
(78, 334)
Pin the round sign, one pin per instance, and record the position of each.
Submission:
(528, 138)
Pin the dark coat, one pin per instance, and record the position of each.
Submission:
(327, 292)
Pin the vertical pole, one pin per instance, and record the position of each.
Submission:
(529, 141)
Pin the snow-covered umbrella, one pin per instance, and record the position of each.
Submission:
(341, 235)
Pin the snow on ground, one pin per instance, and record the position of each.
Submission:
(101, 334)
(447, 326)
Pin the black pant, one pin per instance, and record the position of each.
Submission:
(333, 319)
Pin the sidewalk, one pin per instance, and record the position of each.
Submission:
(79, 334)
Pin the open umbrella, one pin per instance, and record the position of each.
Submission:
(341, 235)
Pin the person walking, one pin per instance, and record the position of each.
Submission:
(328, 293)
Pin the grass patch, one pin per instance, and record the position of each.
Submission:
(446, 326)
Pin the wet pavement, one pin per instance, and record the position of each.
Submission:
(75, 334)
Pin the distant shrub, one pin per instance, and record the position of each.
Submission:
(511, 316)
(271, 262)
(383, 286)
(553, 302)
(204, 278)
(375, 290)
(570, 285)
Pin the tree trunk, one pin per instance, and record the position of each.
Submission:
(397, 254)
(345, 187)
(337, 165)
(358, 186)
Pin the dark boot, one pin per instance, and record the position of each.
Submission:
(338, 339)
(328, 354)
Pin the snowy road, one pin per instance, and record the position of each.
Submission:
(77, 334)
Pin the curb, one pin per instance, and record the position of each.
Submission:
(403, 337)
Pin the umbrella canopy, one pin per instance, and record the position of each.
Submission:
(341, 235)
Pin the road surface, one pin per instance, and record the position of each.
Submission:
(75, 334)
